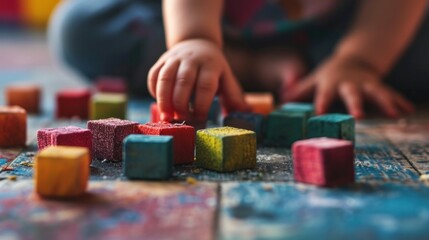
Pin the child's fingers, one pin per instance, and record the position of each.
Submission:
(185, 81)
(164, 89)
(153, 77)
(301, 91)
(232, 94)
(405, 105)
(325, 95)
(351, 96)
(205, 90)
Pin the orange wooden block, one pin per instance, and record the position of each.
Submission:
(13, 127)
(27, 97)
(61, 172)
(262, 103)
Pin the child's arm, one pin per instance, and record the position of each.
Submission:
(380, 33)
(194, 64)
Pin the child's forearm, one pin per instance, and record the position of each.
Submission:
(381, 31)
(190, 19)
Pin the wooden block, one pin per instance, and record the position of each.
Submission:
(340, 126)
(13, 127)
(61, 172)
(250, 121)
(65, 136)
(184, 138)
(262, 103)
(73, 103)
(27, 97)
(105, 105)
(306, 108)
(148, 157)
(111, 85)
(226, 149)
(154, 113)
(324, 162)
(107, 137)
(215, 111)
(283, 128)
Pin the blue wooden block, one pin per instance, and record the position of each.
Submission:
(284, 128)
(340, 126)
(250, 121)
(148, 157)
(215, 111)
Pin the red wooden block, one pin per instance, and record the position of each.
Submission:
(73, 103)
(183, 138)
(13, 127)
(10, 11)
(64, 136)
(107, 137)
(323, 162)
(111, 85)
(27, 97)
(154, 113)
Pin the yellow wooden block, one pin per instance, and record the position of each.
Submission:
(61, 172)
(262, 103)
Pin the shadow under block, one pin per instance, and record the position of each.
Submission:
(262, 103)
(13, 127)
(226, 149)
(250, 121)
(64, 136)
(340, 126)
(27, 97)
(106, 84)
(183, 138)
(61, 172)
(148, 157)
(73, 103)
(283, 128)
(106, 105)
(107, 137)
(324, 162)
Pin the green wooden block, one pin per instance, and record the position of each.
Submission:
(306, 108)
(285, 128)
(340, 126)
(148, 157)
(226, 149)
(106, 105)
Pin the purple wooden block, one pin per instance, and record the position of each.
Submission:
(108, 135)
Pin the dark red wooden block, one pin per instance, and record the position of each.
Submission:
(111, 85)
(324, 162)
(73, 103)
(183, 138)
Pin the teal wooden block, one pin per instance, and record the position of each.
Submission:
(306, 108)
(340, 126)
(148, 157)
(283, 128)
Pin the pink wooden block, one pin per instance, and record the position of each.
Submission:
(324, 162)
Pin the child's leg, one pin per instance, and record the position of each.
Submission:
(110, 37)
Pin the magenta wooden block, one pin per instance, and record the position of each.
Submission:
(324, 162)
(64, 136)
(108, 135)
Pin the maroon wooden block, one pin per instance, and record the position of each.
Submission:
(111, 85)
(183, 138)
(73, 103)
(64, 136)
(154, 113)
(107, 137)
(324, 162)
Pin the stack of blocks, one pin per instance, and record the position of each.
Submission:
(148, 157)
(73, 103)
(262, 103)
(104, 105)
(64, 136)
(13, 127)
(183, 139)
(226, 149)
(61, 172)
(108, 135)
(111, 85)
(27, 97)
(324, 162)
(250, 121)
(340, 126)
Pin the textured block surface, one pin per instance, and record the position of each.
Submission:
(64, 136)
(250, 121)
(324, 162)
(226, 149)
(262, 103)
(107, 137)
(104, 105)
(61, 172)
(27, 97)
(154, 113)
(148, 157)
(13, 127)
(184, 139)
(284, 128)
(340, 126)
(73, 103)
(111, 85)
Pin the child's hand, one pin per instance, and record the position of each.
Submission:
(197, 68)
(353, 82)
